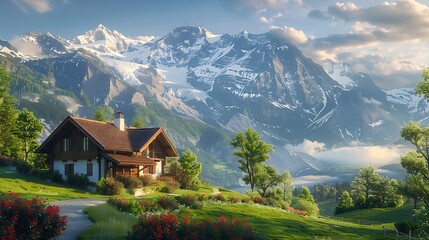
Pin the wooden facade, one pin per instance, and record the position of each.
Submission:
(102, 150)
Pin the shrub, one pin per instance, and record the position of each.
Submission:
(7, 162)
(41, 173)
(405, 226)
(78, 180)
(168, 203)
(220, 197)
(109, 186)
(57, 177)
(246, 200)
(29, 219)
(233, 199)
(129, 181)
(119, 203)
(170, 227)
(203, 197)
(260, 200)
(191, 201)
(23, 167)
(149, 205)
(170, 185)
(301, 204)
(146, 180)
(155, 227)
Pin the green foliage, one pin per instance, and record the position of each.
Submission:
(306, 194)
(78, 180)
(422, 219)
(266, 177)
(405, 226)
(365, 183)
(137, 121)
(287, 186)
(103, 113)
(191, 169)
(109, 186)
(251, 152)
(27, 128)
(345, 204)
(24, 167)
(130, 181)
(302, 204)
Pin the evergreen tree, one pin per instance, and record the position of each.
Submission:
(306, 194)
(345, 204)
(27, 129)
(252, 152)
(191, 169)
(366, 182)
(137, 121)
(103, 114)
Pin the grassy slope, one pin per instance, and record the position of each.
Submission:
(109, 223)
(30, 187)
(387, 215)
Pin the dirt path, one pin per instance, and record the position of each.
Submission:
(77, 219)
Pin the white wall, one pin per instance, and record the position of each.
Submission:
(79, 168)
(158, 168)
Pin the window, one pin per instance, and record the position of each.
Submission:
(68, 169)
(85, 143)
(89, 169)
(66, 145)
(150, 169)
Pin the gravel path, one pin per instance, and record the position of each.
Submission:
(77, 221)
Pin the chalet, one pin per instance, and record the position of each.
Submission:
(100, 149)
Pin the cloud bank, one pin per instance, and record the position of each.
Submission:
(356, 155)
(40, 6)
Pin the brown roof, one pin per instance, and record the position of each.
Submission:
(110, 138)
(129, 160)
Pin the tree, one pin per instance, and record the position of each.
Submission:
(365, 183)
(190, 168)
(345, 204)
(266, 177)
(137, 121)
(28, 129)
(306, 194)
(103, 113)
(252, 152)
(9, 145)
(286, 185)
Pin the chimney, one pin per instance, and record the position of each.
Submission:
(119, 121)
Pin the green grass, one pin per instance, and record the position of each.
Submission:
(327, 207)
(29, 187)
(386, 215)
(109, 223)
(279, 224)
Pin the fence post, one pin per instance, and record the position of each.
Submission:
(397, 233)
(358, 221)
(409, 234)
(384, 230)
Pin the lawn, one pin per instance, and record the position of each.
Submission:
(29, 187)
(327, 207)
(279, 224)
(386, 215)
(109, 223)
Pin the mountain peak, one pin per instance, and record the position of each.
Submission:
(110, 41)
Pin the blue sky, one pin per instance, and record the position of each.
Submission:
(386, 39)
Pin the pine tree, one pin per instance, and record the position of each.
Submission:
(345, 204)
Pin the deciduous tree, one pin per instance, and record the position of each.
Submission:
(27, 129)
(251, 152)
(266, 177)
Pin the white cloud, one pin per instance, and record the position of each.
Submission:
(25, 47)
(144, 39)
(294, 35)
(40, 6)
(263, 19)
(356, 155)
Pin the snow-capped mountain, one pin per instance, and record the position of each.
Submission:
(226, 82)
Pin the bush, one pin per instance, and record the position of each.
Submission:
(78, 180)
(109, 186)
(260, 200)
(57, 177)
(406, 226)
(301, 204)
(146, 180)
(191, 201)
(233, 199)
(220, 197)
(29, 219)
(149, 205)
(129, 181)
(168, 203)
(203, 197)
(170, 227)
(119, 203)
(246, 200)
(155, 227)
(7, 162)
(23, 167)
(169, 184)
